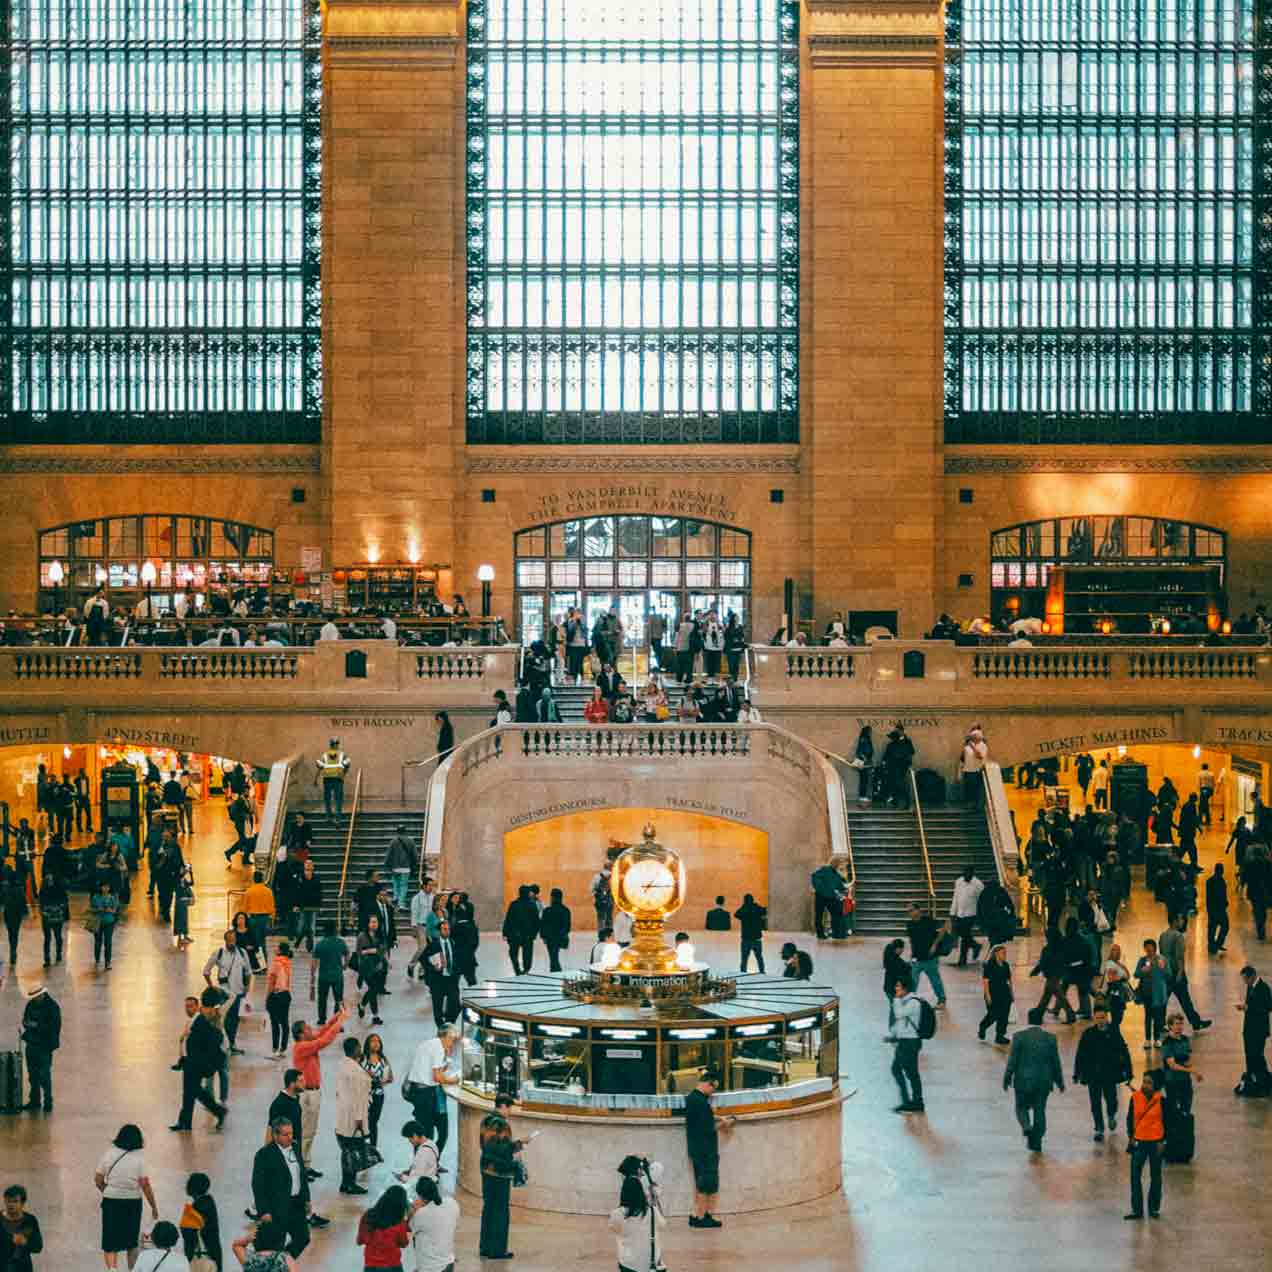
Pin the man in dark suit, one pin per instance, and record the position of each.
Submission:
(520, 927)
(280, 1191)
(1033, 1068)
(203, 1057)
(367, 899)
(386, 912)
(442, 975)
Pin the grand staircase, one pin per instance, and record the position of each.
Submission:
(570, 700)
(371, 835)
(888, 857)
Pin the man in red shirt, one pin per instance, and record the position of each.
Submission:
(307, 1044)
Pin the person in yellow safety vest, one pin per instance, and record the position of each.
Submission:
(332, 769)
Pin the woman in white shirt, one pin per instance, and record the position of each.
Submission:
(433, 1220)
(122, 1181)
(630, 1222)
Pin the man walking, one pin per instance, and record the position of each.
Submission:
(307, 1046)
(332, 767)
(258, 905)
(1171, 945)
(520, 927)
(42, 1035)
(234, 979)
(1033, 1069)
(554, 928)
(1101, 1063)
(280, 1186)
(829, 890)
(1146, 1129)
(399, 859)
(1216, 910)
(201, 1058)
(1257, 1010)
(702, 1140)
(924, 932)
(331, 956)
(751, 918)
(905, 1033)
(967, 894)
(83, 803)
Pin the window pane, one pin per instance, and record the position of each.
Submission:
(633, 536)
(599, 574)
(124, 536)
(566, 538)
(530, 543)
(162, 220)
(532, 574)
(598, 537)
(700, 539)
(734, 543)
(666, 574)
(565, 574)
(632, 573)
(667, 536)
(1103, 188)
(699, 574)
(633, 221)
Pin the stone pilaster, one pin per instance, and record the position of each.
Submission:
(872, 334)
(393, 211)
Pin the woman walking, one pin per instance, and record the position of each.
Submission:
(498, 1169)
(182, 900)
(996, 983)
(376, 1063)
(373, 967)
(122, 1181)
(200, 1222)
(104, 906)
(1117, 984)
(278, 999)
(865, 770)
(54, 907)
(382, 1231)
(1151, 992)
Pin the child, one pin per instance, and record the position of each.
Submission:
(200, 1223)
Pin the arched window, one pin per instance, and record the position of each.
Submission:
(637, 566)
(190, 554)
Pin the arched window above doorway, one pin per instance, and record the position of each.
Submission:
(190, 555)
(635, 564)
(1023, 556)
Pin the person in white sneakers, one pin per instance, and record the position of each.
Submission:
(967, 892)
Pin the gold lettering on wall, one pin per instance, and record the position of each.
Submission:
(642, 497)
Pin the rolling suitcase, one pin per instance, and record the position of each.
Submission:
(1181, 1137)
(10, 1081)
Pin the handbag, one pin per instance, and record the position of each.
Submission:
(520, 1174)
(945, 944)
(92, 922)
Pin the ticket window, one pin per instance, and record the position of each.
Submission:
(624, 1061)
(758, 1058)
(802, 1047)
(686, 1052)
(559, 1058)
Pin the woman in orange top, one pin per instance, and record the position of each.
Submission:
(278, 997)
(596, 711)
(1145, 1128)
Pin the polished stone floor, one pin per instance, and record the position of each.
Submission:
(954, 1189)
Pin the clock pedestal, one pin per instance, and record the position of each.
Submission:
(648, 952)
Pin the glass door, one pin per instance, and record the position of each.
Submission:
(634, 660)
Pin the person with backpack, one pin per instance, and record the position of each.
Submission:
(1033, 1069)
(910, 1020)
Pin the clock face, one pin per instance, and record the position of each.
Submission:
(649, 886)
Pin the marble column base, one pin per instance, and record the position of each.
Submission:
(767, 1160)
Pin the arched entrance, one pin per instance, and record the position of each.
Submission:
(636, 565)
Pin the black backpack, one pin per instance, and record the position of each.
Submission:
(927, 1019)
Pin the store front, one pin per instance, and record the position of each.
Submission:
(634, 565)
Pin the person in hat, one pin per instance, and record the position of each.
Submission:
(42, 1035)
(332, 767)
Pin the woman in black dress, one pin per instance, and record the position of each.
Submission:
(996, 982)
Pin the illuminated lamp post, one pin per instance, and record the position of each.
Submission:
(56, 575)
(486, 573)
(148, 575)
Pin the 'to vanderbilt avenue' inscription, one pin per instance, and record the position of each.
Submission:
(679, 501)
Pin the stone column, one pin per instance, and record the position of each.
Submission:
(393, 209)
(872, 353)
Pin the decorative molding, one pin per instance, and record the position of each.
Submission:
(208, 464)
(994, 465)
(677, 464)
(430, 52)
(874, 50)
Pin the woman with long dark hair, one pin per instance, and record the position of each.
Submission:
(382, 1231)
(445, 735)
(373, 966)
(632, 1223)
(377, 1065)
(433, 1220)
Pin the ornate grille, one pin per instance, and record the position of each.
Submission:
(633, 221)
(160, 221)
(1105, 171)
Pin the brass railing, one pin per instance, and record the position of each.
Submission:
(353, 817)
(923, 843)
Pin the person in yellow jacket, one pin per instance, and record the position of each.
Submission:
(258, 905)
(332, 767)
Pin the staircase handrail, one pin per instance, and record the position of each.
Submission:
(353, 817)
(274, 814)
(1001, 832)
(841, 831)
(923, 843)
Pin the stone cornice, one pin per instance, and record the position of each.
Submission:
(1109, 461)
(874, 50)
(567, 463)
(409, 34)
(208, 463)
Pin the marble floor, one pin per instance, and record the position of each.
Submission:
(954, 1189)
